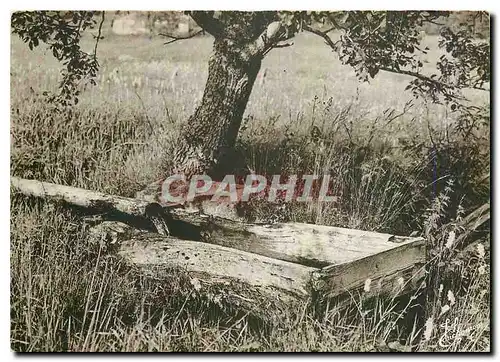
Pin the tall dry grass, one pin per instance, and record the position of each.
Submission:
(395, 167)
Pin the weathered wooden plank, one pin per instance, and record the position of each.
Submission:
(307, 244)
(324, 244)
(262, 286)
(391, 272)
(251, 282)
(80, 197)
(218, 261)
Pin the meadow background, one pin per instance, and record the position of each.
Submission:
(398, 165)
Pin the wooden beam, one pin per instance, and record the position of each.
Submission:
(392, 272)
(263, 287)
(79, 197)
(219, 263)
(307, 244)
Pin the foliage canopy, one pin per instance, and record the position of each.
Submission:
(368, 41)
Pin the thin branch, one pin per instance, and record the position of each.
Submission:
(175, 38)
(99, 32)
(331, 29)
(415, 75)
(322, 34)
(426, 78)
(282, 45)
(429, 19)
(270, 38)
(336, 25)
(434, 22)
(480, 88)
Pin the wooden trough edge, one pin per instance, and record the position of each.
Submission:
(391, 273)
(217, 263)
(297, 259)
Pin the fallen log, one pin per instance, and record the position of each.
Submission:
(292, 259)
(80, 197)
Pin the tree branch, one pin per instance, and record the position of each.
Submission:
(278, 45)
(336, 25)
(283, 45)
(322, 34)
(99, 36)
(269, 39)
(425, 78)
(208, 22)
(332, 28)
(481, 88)
(415, 75)
(175, 38)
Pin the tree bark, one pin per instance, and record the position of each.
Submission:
(207, 141)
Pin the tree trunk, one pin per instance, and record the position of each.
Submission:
(208, 139)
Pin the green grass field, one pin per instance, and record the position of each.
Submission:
(398, 167)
